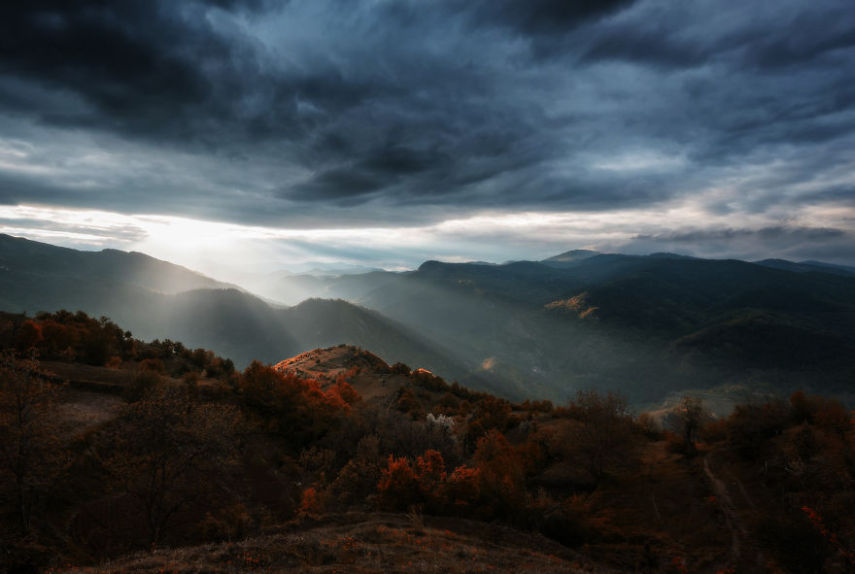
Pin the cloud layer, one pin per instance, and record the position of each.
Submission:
(378, 113)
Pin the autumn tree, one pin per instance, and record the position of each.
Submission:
(398, 487)
(501, 479)
(296, 409)
(462, 490)
(491, 413)
(422, 482)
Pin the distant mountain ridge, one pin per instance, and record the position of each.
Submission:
(646, 326)
(572, 256)
(641, 324)
(42, 259)
(808, 266)
(156, 299)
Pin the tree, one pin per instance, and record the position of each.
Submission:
(500, 475)
(358, 479)
(398, 487)
(751, 426)
(690, 416)
(31, 457)
(296, 409)
(167, 450)
(404, 484)
(29, 335)
(600, 435)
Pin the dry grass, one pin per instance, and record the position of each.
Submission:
(100, 378)
(365, 544)
(325, 365)
(83, 410)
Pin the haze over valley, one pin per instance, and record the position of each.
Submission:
(644, 326)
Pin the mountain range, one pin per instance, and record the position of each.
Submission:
(642, 325)
(156, 299)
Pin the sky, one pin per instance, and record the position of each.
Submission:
(239, 136)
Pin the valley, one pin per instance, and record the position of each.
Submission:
(645, 326)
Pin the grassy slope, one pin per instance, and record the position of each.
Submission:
(368, 543)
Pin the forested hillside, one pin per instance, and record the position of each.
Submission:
(114, 448)
(647, 327)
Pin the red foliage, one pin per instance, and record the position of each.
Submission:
(426, 483)
(296, 408)
(398, 487)
(430, 473)
(310, 503)
(501, 475)
(462, 488)
(346, 392)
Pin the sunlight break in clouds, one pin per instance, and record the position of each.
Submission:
(228, 251)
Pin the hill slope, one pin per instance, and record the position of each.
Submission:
(369, 543)
(23, 257)
(642, 325)
(156, 299)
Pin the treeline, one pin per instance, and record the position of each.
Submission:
(182, 462)
(76, 337)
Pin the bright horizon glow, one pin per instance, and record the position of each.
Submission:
(230, 251)
(240, 138)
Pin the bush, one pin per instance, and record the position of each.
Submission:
(750, 427)
(141, 386)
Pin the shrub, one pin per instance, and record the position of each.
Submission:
(141, 386)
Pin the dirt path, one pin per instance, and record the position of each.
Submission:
(734, 524)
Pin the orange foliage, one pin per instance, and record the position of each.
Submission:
(501, 474)
(426, 483)
(462, 488)
(346, 392)
(430, 472)
(296, 408)
(398, 487)
(310, 503)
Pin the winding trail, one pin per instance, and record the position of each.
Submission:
(734, 523)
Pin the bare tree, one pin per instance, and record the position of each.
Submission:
(167, 449)
(690, 416)
(31, 457)
(600, 434)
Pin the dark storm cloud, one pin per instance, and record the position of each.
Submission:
(531, 18)
(838, 195)
(647, 47)
(150, 69)
(270, 112)
(377, 170)
(671, 35)
(543, 17)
